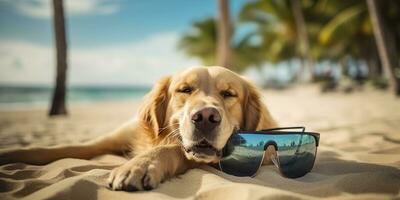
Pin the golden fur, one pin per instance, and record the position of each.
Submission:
(159, 137)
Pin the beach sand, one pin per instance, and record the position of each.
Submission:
(358, 156)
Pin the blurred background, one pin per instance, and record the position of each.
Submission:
(331, 66)
(54, 52)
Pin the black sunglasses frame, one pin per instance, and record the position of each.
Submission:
(278, 131)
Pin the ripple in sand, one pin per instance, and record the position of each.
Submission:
(8, 185)
(13, 166)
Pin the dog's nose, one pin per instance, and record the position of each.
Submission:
(206, 119)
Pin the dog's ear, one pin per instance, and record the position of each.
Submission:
(255, 114)
(153, 112)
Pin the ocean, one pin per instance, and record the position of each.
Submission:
(15, 97)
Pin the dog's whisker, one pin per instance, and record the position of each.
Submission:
(174, 133)
(168, 126)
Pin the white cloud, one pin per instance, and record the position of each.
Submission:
(141, 62)
(43, 8)
(23, 62)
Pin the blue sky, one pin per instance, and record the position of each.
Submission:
(110, 41)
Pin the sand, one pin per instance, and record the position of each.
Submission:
(358, 156)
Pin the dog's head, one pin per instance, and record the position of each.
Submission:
(202, 107)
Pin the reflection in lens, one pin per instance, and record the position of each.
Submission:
(242, 157)
(244, 153)
(296, 154)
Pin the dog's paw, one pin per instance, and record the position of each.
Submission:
(140, 173)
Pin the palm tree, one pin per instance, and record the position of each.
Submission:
(348, 34)
(303, 41)
(58, 103)
(201, 42)
(386, 54)
(224, 35)
(275, 26)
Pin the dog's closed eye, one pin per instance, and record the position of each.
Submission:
(185, 89)
(227, 93)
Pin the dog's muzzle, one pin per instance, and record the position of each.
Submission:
(204, 151)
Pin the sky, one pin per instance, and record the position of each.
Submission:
(110, 42)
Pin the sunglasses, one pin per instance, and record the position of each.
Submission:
(292, 152)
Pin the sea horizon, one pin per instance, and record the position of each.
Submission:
(14, 97)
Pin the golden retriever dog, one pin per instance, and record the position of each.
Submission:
(185, 121)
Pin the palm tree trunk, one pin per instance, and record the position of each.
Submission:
(58, 103)
(303, 41)
(373, 63)
(387, 55)
(224, 35)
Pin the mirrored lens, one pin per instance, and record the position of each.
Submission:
(244, 153)
(296, 154)
(242, 157)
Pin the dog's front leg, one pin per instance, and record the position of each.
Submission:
(145, 171)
